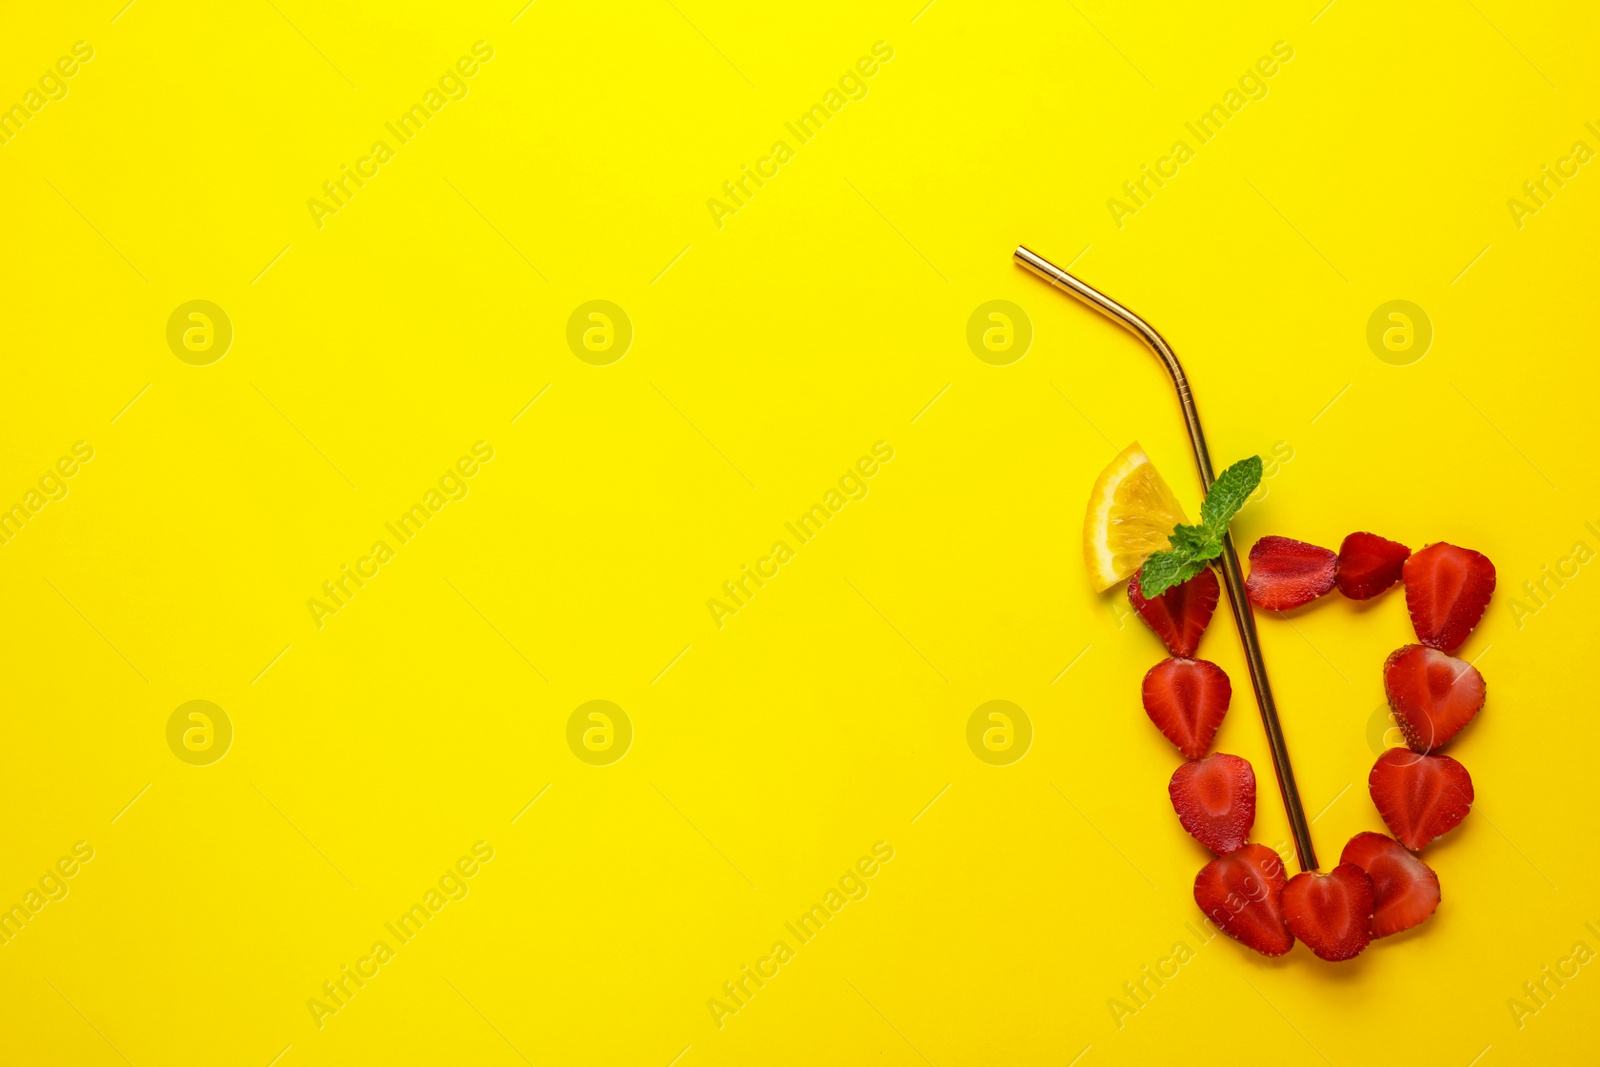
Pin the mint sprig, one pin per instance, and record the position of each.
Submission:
(1195, 546)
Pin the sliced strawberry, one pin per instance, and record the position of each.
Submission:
(1369, 564)
(1331, 913)
(1419, 797)
(1242, 893)
(1215, 799)
(1405, 891)
(1433, 695)
(1186, 699)
(1285, 573)
(1447, 589)
(1179, 616)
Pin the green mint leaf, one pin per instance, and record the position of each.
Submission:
(1194, 546)
(1190, 539)
(1228, 494)
(1163, 570)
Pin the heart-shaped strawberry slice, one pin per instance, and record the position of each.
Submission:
(1447, 589)
(1331, 913)
(1369, 564)
(1186, 699)
(1285, 573)
(1405, 891)
(1179, 616)
(1242, 893)
(1433, 694)
(1215, 799)
(1419, 797)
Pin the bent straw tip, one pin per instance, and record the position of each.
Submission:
(1031, 260)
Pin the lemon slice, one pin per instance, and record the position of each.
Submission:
(1131, 513)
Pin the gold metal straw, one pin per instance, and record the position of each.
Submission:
(1231, 575)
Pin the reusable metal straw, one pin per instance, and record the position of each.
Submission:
(1232, 577)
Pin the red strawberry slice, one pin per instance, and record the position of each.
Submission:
(1179, 616)
(1433, 695)
(1369, 564)
(1215, 799)
(1405, 890)
(1419, 797)
(1331, 913)
(1186, 699)
(1447, 589)
(1242, 893)
(1285, 573)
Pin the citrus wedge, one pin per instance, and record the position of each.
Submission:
(1131, 513)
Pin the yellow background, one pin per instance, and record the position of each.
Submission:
(826, 715)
